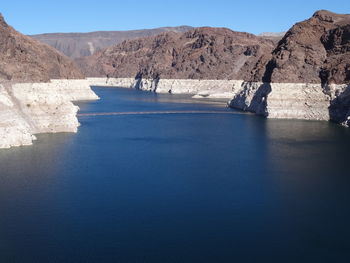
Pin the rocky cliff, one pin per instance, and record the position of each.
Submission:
(29, 102)
(202, 53)
(75, 45)
(313, 51)
(25, 59)
(308, 75)
(305, 75)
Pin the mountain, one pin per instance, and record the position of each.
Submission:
(76, 45)
(24, 59)
(274, 36)
(201, 53)
(313, 51)
(308, 75)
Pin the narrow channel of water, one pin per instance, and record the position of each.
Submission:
(177, 187)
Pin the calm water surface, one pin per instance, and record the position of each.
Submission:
(177, 188)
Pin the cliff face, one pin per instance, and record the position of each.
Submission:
(313, 51)
(26, 107)
(23, 59)
(202, 53)
(306, 75)
(75, 45)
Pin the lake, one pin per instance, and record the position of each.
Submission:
(178, 187)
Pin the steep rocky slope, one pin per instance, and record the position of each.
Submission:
(313, 51)
(25, 59)
(76, 45)
(202, 53)
(305, 75)
(308, 75)
(27, 107)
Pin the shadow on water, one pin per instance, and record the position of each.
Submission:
(309, 162)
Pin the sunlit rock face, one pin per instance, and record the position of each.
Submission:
(302, 76)
(308, 74)
(29, 102)
(283, 100)
(31, 108)
(24, 59)
(201, 53)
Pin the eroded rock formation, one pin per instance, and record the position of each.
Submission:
(29, 102)
(305, 75)
(23, 59)
(202, 53)
(313, 51)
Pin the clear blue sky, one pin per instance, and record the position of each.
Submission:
(33, 17)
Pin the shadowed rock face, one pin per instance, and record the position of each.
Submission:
(23, 59)
(77, 45)
(202, 53)
(313, 51)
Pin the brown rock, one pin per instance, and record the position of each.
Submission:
(202, 53)
(23, 59)
(313, 51)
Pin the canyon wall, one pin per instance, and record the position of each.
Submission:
(308, 101)
(305, 75)
(27, 109)
(29, 102)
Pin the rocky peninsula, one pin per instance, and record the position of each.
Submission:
(37, 87)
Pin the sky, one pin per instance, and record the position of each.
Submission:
(35, 17)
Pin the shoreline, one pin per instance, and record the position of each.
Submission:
(303, 101)
(27, 109)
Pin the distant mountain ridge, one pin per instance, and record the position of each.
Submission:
(274, 36)
(76, 45)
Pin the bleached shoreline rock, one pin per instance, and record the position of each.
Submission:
(273, 100)
(198, 88)
(27, 109)
(283, 100)
(112, 82)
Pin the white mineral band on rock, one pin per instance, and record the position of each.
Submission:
(31, 108)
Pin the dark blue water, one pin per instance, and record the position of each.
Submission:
(177, 188)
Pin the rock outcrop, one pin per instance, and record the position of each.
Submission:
(313, 51)
(29, 102)
(308, 74)
(305, 75)
(202, 53)
(75, 45)
(27, 109)
(23, 59)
